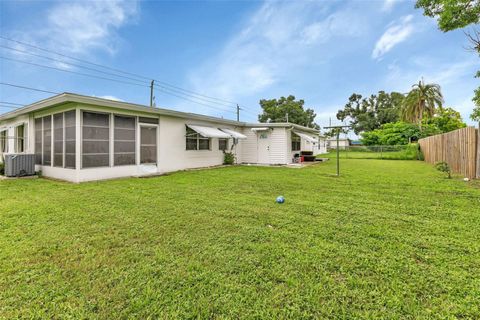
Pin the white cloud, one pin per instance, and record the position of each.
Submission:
(395, 34)
(388, 5)
(276, 40)
(81, 26)
(111, 98)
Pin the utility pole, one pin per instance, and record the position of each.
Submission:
(287, 117)
(151, 93)
(238, 112)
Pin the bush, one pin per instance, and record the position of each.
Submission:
(2, 168)
(398, 133)
(228, 158)
(444, 167)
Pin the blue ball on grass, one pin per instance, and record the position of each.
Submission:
(280, 199)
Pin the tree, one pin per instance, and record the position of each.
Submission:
(455, 14)
(451, 14)
(367, 114)
(277, 110)
(398, 133)
(421, 101)
(446, 120)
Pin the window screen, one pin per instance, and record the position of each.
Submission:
(38, 141)
(58, 140)
(20, 138)
(3, 141)
(47, 140)
(148, 120)
(70, 137)
(195, 141)
(295, 142)
(95, 140)
(148, 145)
(222, 144)
(124, 141)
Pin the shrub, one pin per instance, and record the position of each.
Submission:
(444, 167)
(228, 158)
(2, 168)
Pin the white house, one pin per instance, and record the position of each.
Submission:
(343, 143)
(80, 138)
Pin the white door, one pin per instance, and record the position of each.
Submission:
(263, 147)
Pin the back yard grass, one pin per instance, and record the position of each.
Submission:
(387, 239)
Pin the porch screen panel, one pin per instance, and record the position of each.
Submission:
(3, 141)
(38, 141)
(47, 140)
(124, 141)
(70, 137)
(58, 140)
(148, 145)
(95, 140)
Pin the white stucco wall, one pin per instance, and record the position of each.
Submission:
(11, 125)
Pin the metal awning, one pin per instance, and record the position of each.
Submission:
(234, 134)
(259, 129)
(306, 137)
(208, 132)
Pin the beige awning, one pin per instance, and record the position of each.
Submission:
(234, 134)
(208, 132)
(305, 137)
(259, 129)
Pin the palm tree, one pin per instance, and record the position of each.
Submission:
(421, 101)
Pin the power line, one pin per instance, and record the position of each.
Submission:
(110, 79)
(46, 91)
(26, 88)
(5, 106)
(13, 103)
(104, 72)
(73, 72)
(117, 70)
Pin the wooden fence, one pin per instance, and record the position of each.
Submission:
(459, 148)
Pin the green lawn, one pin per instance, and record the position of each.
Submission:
(388, 239)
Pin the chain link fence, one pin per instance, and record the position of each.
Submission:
(396, 152)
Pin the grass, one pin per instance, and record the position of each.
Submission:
(387, 239)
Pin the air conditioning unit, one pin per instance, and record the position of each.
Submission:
(19, 165)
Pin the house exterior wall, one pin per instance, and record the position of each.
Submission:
(172, 154)
(10, 127)
(342, 143)
(171, 145)
(249, 146)
(278, 146)
(278, 152)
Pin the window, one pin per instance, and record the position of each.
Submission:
(222, 144)
(47, 140)
(148, 120)
(124, 141)
(58, 140)
(95, 140)
(295, 142)
(195, 141)
(3, 141)
(70, 138)
(20, 138)
(38, 140)
(62, 126)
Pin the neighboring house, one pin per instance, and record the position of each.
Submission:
(343, 143)
(80, 138)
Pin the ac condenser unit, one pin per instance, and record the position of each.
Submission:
(19, 165)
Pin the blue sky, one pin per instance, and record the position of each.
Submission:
(240, 51)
